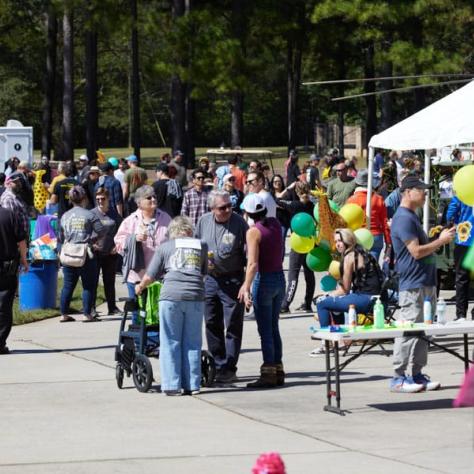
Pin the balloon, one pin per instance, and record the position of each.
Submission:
(332, 205)
(353, 215)
(463, 184)
(364, 238)
(325, 244)
(301, 244)
(303, 224)
(328, 283)
(334, 269)
(318, 259)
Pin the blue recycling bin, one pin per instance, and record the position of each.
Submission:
(39, 286)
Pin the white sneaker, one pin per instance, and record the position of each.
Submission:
(317, 352)
(405, 385)
(427, 383)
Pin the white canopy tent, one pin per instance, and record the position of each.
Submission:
(449, 121)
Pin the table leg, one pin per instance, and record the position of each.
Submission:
(328, 375)
(337, 370)
(329, 407)
(466, 352)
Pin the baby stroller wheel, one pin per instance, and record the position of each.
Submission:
(142, 373)
(208, 369)
(119, 375)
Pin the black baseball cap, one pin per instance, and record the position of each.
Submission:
(413, 182)
(105, 167)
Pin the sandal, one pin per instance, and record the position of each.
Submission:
(89, 319)
(66, 319)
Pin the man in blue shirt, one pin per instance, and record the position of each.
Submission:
(113, 186)
(417, 269)
(461, 214)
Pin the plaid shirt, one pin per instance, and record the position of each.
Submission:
(195, 204)
(11, 201)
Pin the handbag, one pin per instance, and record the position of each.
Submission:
(73, 255)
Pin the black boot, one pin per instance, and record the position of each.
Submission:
(267, 379)
(280, 375)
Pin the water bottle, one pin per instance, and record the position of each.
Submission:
(379, 315)
(441, 311)
(352, 317)
(427, 318)
(346, 319)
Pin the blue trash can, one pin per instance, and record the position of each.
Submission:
(39, 286)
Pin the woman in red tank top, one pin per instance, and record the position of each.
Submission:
(264, 269)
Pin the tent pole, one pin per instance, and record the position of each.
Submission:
(426, 207)
(370, 166)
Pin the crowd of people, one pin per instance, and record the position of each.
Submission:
(216, 236)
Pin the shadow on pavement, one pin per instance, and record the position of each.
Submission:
(50, 351)
(415, 405)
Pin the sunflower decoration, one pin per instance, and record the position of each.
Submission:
(434, 231)
(463, 230)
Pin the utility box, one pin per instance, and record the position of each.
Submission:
(15, 140)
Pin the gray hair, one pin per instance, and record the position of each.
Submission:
(180, 226)
(61, 167)
(213, 195)
(143, 192)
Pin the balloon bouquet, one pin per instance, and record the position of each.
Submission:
(315, 237)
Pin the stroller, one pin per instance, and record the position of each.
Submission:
(140, 341)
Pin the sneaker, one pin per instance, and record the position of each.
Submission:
(405, 385)
(172, 393)
(284, 310)
(191, 392)
(424, 380)
(317, 352)
(115, 312)
(226, 376)
(304, 308)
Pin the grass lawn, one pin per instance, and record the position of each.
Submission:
(23, 317)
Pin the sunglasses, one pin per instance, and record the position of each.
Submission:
(199, 178)
(100, 198)
(151, 197)
(251, 181)
(224, 207)
(340, 170)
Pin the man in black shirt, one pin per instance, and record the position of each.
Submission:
(12, 253)
(61, 191)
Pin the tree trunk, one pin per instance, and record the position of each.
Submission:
(237, 119)
(49, 82)
(68, 86)
(190, 127)
(135, 77)
(91, 92)
(294, 57)
(386, 100)
(178, 94)
(341, 70)
(370, 101)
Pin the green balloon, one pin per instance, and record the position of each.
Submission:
(328, 283)
(332, 205)
(303, 224)
(318, 259)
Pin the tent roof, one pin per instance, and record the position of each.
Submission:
(449, 121)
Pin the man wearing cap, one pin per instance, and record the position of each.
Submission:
(60, 195)
(89, 186)
(378, 213)
(417, 270)
(224, 232)
(113, 187)
(169, 194)
(11, 199)
(312, 173)
(293, 170)
(83, 168)
(340, 188)
(134, 178)
(180, 168)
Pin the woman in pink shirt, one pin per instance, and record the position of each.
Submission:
(149, 225)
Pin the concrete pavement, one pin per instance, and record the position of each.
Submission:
(62, 412)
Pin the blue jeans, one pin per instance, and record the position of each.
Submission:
(339, 304)
(131, 294)
(180, 344)
(377, 248)
(268, 293)
(88, 275)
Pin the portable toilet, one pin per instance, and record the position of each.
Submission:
(15, 140)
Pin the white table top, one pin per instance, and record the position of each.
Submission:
(464, 327)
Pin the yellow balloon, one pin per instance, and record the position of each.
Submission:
(462, 184)
(353, 215)
(301, 244)
(334, 269)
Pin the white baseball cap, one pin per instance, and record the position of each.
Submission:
(253, 203)
(83, 158)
